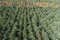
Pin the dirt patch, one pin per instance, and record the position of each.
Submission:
(36, 4)
(2, 3)
(8, 3)
(41, 4)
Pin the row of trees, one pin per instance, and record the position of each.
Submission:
(29, 23)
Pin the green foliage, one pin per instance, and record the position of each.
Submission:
(29, 23)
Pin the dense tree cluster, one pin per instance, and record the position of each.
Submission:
(35, 23)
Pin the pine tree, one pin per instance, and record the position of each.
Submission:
(34, 20)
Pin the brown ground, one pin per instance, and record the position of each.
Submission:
(37, 4)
